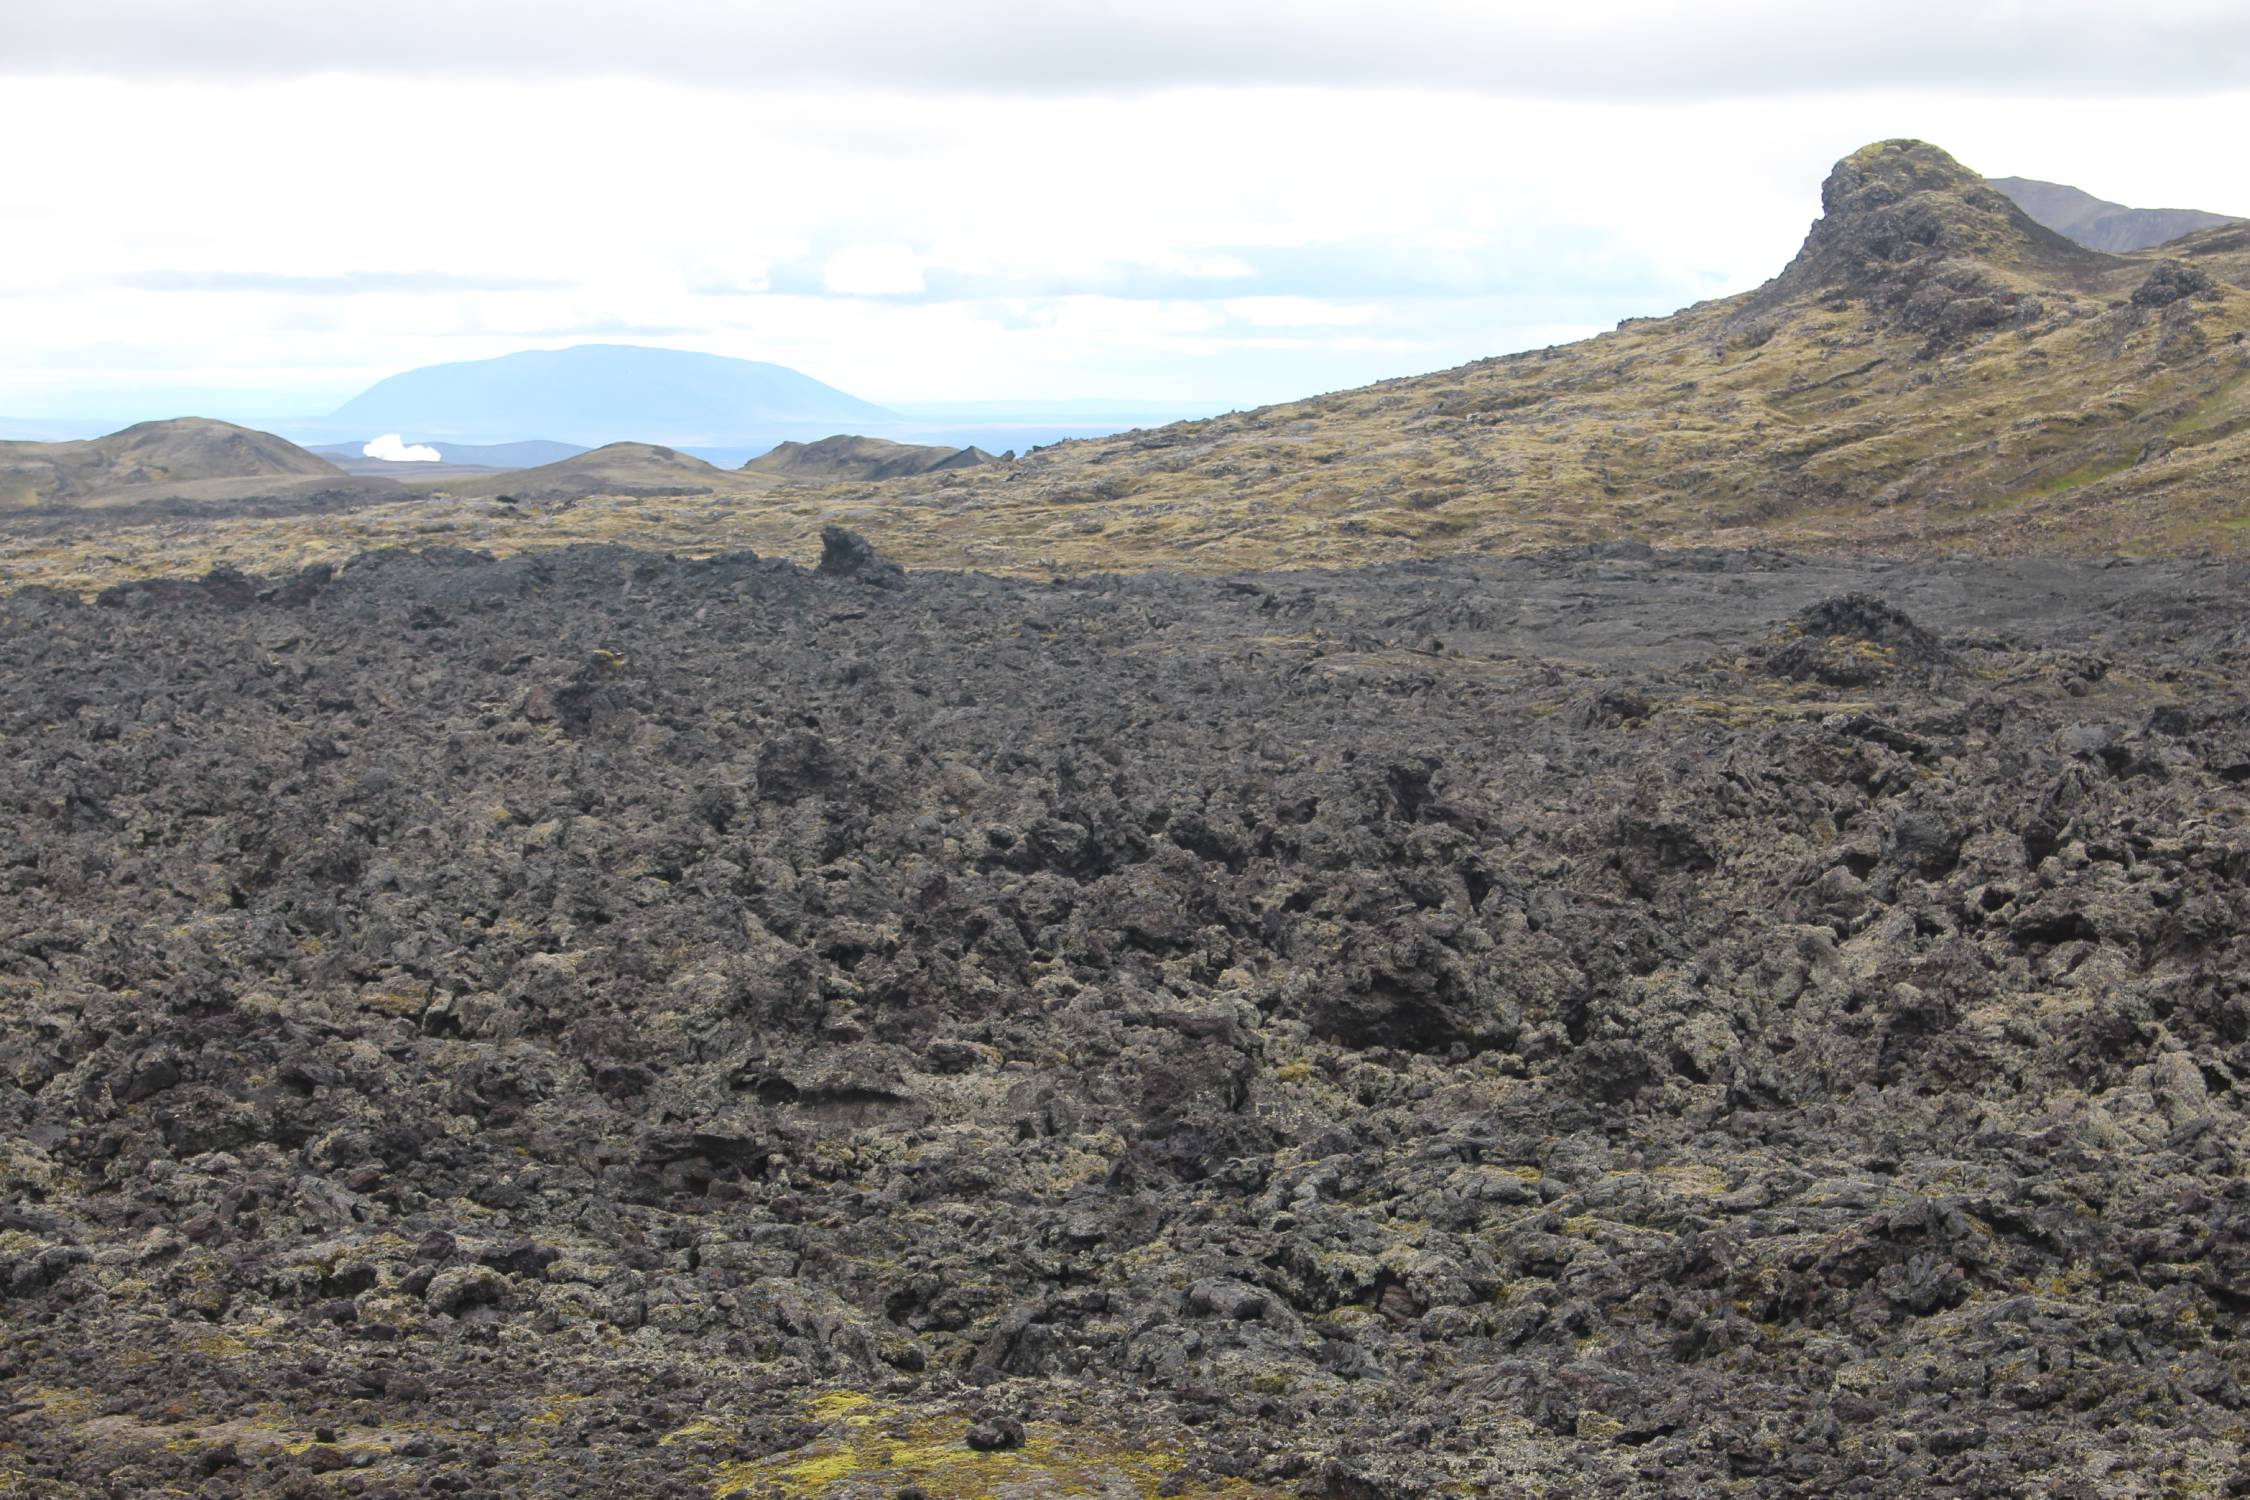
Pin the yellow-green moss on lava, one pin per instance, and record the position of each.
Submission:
(874, 1450)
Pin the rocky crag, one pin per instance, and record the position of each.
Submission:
(1603, 1022)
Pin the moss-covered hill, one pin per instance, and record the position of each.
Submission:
(148, 457)
(1933, 373)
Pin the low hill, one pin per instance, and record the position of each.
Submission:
(844, 457)
(139, 461)
(622, 469)
(2100, 224)
(600, 393)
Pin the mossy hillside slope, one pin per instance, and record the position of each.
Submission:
(1934, 373)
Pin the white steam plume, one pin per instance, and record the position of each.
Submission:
(392, 449)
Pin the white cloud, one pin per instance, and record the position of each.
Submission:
(1203, 267)
(1298, 312)
(873, 271)
(391, 449)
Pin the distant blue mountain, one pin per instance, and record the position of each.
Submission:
(601, 393)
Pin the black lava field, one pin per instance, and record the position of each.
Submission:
(1603, 1023)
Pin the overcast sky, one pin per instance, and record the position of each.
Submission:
(252, 207)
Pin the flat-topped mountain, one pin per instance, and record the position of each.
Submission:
(127, 465)
(2100, 224)
(846, 457)
(601, 393)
